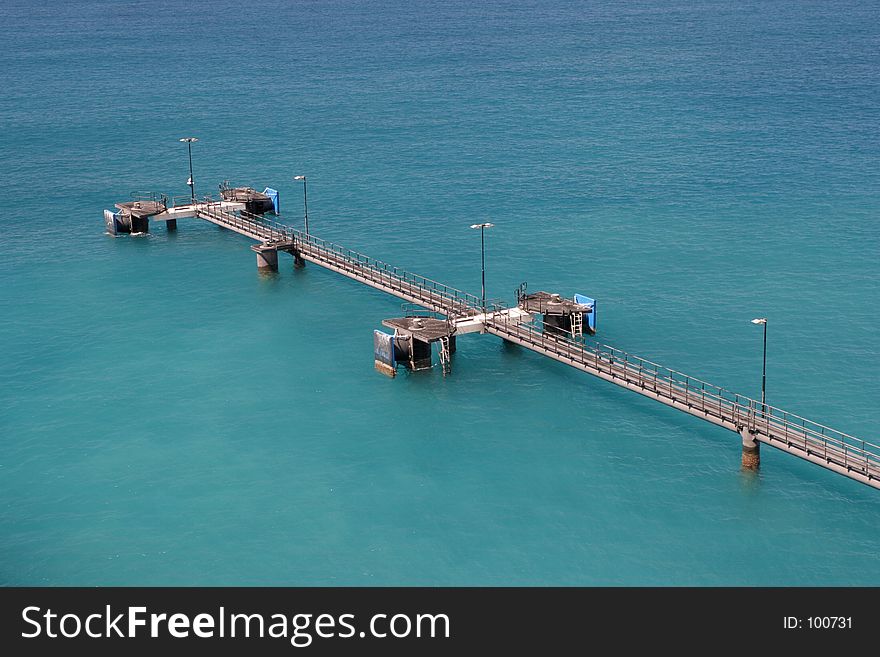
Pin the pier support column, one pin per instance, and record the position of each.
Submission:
(298, 260)
(420, 357)
(451, 344)
(140, 224)
(751, 454)
(171, 225)
(267, 260)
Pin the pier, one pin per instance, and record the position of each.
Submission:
(542, 322)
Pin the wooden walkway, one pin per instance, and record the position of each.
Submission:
(829, 448)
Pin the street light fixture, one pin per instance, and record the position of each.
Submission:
(763, 320)
(192, 186)
(482, 228)
(305, 200)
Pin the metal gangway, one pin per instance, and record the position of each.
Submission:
(816, 443)
(430, 294)
(832, 449)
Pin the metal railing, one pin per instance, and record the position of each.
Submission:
(698, 397)
(262, 231)
(436, 295)
(433, 294)
(148, 196)
(410, 309)
(181, 199)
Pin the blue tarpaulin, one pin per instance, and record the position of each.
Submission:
(589, 317)
(276, 198)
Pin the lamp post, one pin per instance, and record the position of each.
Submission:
(192, 186)
(305, 200)
(763, 320)
(482, 228)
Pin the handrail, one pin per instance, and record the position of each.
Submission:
(147, 196)
(181, 200)
(743, 412)
(444, 297)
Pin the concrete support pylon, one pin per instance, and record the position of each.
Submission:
(751, 450)
(267, 259)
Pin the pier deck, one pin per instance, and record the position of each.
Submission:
(818, 444)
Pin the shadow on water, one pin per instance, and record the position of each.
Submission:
(510, 349)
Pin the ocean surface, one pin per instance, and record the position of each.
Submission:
(169, 416)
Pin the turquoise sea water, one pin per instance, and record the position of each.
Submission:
(169, 416)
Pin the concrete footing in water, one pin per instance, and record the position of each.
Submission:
(267, 259)
(171, 225)
(385, 368)
(751, 451)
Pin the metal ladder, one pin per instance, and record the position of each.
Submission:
(445, 356)
(577, 324)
